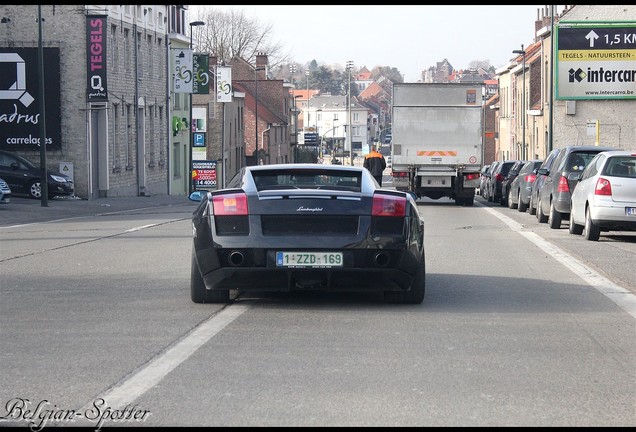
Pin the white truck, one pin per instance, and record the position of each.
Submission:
(437, 147)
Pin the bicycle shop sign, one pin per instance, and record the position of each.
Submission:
(20, 114)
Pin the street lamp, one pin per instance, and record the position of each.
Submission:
(307, 75)
(296, 128)
(317, 135)
(256, 69)
(192, 124)
(350, 131)
(522, 52)
(334, 148)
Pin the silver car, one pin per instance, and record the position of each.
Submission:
(605, 197)
(5, 192)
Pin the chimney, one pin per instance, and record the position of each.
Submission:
(261, 61)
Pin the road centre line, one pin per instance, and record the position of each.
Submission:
(132, 387)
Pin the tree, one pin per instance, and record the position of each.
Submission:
(229, 34)
(388, 72)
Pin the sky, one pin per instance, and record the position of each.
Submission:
(409, 38)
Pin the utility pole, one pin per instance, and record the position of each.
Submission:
(350, 129)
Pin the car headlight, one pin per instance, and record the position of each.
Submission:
(58, 178)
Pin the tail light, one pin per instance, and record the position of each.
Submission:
(563, 185)
(499, 178)
(230, 204)
(472, 176)
(401, 174)
(388, 205)
(530, 178)
(603, 187)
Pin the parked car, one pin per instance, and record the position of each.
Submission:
(497, 175)
(483, 179)
(5, 192)
(538, 182)
(605, 197)
(519, 193)
(507, 182)
(554, 197)
(24, 177)
(285, 227)
(493, 167)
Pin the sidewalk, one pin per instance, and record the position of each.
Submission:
(23, 210)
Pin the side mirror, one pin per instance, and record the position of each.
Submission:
(543, 171)
(198, 195)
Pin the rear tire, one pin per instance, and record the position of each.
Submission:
(413, 296)
(521, 206)
(198, 292)
(541, 217)
(532, 207)
(574, 228)
(510, 200)
(592, 231)
(554, 219)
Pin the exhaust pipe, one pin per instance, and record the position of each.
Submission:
(235, 258)
(381, 259)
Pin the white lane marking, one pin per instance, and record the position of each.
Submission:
(125, 392)
(619, 295)
(141, 227)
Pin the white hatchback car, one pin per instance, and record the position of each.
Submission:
(605, 197)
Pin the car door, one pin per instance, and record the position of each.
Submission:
(14, 172)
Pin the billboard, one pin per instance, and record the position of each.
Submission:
(596, 60)
(20, 116)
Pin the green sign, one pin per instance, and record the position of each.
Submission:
(201, 82)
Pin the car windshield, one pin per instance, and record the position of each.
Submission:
(309, 179)
(577, 161)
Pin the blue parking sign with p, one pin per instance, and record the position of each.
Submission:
(198, 139)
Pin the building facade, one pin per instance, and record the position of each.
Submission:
(106, 90)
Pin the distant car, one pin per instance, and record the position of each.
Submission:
(605, 197)
(497, 175)
(513, 172)
(519, 193)
(483, 179)
(554, 197)
(24, 177)
(5, 192)
(318, 227)
(538, 182)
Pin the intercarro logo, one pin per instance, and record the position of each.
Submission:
(602, 75)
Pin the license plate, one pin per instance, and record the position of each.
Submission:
(630, 211)
(309, 259)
